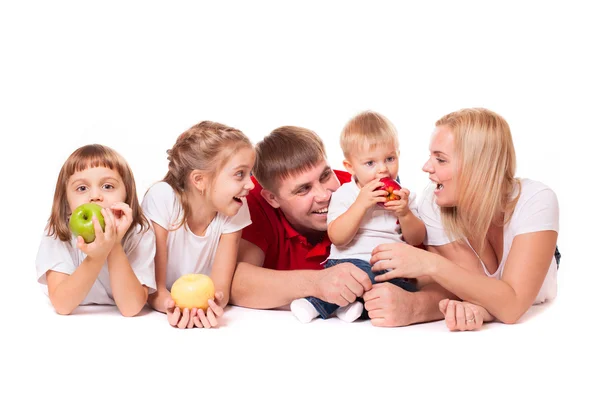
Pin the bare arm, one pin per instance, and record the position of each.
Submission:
(343, 229)
(225, 264)
(129, 294)
(508, 298)
(413, 229)
(157, 299)
(66, 292)
(257, 287)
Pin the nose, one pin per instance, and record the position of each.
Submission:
(382, 169)
(427, 167)
(322, 193)
(249, 184)
(95, 195)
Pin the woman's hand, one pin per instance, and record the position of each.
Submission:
(463, 316)
(402, 261)
(195, 317)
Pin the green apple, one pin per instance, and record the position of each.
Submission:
(81, 223)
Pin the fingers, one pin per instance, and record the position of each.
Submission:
(219, 296)
(347, 295)
(203, 319)
(362, 278)
(173, 316)
(81, 245)
(212, 318)
(185, 319)
(215, 308)
(443, 304)
(461, 321)
(450, 315)
(379, 256)
(387, 276)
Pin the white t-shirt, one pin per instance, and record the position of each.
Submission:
(56, 255)
(187, 252)
(536, 210)
(378, 226)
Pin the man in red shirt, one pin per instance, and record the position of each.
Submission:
(281, 253)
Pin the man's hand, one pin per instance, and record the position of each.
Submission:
(389, 305)
(342, 284)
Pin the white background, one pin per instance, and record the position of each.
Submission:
(134, 75)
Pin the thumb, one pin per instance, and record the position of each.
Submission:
(169, 304)
(219, 297)
(443, 305)
(81, 245)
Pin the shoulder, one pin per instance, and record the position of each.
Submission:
(160, 189)
(343, 176)
(536, 195)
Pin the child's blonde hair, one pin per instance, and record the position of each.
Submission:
(367, 130)
(206, 147)
(285, 152)
(485, 173)
(91, 156)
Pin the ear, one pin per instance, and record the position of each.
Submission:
(348, 167)
(198, 179)
(270, 198)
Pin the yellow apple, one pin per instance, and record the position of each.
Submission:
(193, 291)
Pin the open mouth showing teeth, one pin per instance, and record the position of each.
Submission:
(321, 211)
(439, 186)
(237, 199)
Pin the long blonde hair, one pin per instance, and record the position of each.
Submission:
(206, 147)
(485, 173)
(91, 156)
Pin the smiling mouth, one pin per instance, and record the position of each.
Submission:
(439, 186)
(238, 199)
(322, 211)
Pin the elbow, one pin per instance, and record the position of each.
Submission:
(63, 310)
(131, 311)
(511, 317)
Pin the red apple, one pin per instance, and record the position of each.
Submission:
(389, 186)
(193, 291)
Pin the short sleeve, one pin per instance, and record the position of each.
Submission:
(53, 255)
(239, 220)
(538, 213)
(413, 204)
(260, 232)
(429, 212)
(341, 200)
(140, 249)
(160, 205)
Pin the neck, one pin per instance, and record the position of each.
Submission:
(312, 236)
(201, 214)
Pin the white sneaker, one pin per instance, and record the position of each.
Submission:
(351, 312)
(303, 310)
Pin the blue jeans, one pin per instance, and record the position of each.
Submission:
(325, 309)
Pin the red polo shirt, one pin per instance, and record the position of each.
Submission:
(284, 247)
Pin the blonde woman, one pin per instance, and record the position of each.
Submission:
(491, 236)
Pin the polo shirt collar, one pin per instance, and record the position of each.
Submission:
(319, 250)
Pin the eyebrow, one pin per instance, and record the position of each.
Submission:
(299, 186)
(104, 178)
(439, 152)
(241, 166)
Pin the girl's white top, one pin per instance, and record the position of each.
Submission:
(188, 253)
